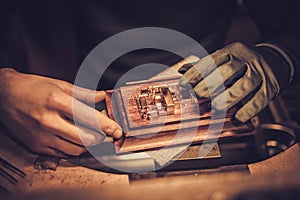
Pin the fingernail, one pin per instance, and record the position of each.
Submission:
(118, 133)
(108, 139)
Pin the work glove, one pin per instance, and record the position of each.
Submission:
(242, 71)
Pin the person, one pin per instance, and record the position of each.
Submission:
(52, 38)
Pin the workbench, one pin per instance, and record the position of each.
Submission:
(279, 172)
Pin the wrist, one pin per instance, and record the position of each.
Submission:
(277, 62)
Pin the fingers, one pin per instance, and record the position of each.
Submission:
(66, 147)
(52, 152)
(236, 92)
(88, 96)
(66, 139)
(90, 117)
(82, 94)
(253, 106)
(221, 77)
(43, 145)
(59, 153)
(203, 68)
(99, 137)
(78, 134)
(85, 115)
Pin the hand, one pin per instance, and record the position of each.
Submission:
(38, 111)
(242, 70)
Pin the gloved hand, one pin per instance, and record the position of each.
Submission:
(242, 70)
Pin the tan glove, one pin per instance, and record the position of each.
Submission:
(243, 72)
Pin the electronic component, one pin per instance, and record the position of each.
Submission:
(160, 100)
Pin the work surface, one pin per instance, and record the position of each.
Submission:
(281, 171)
(65, 176)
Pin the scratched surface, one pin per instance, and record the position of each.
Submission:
(66, 176)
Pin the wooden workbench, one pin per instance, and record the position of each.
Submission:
(284, 167)
(279, 171)
(66, 176)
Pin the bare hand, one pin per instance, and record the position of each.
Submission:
(39, 111)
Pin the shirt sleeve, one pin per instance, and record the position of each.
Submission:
(279, 23)
(4, 60)
(7, 7)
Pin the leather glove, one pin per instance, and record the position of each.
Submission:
(243, 71)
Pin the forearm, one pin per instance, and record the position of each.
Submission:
(290, 43)
(283, 54)
(279, 23)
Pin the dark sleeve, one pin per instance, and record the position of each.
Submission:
(279, 23)
(4, 59)
(7, 7)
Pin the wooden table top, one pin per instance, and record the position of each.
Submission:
(284, 167)
(66, 176)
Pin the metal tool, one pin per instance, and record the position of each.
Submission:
(6, 167)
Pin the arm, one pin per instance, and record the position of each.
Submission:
(39, 112)
(256, 73)
(279, 23)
